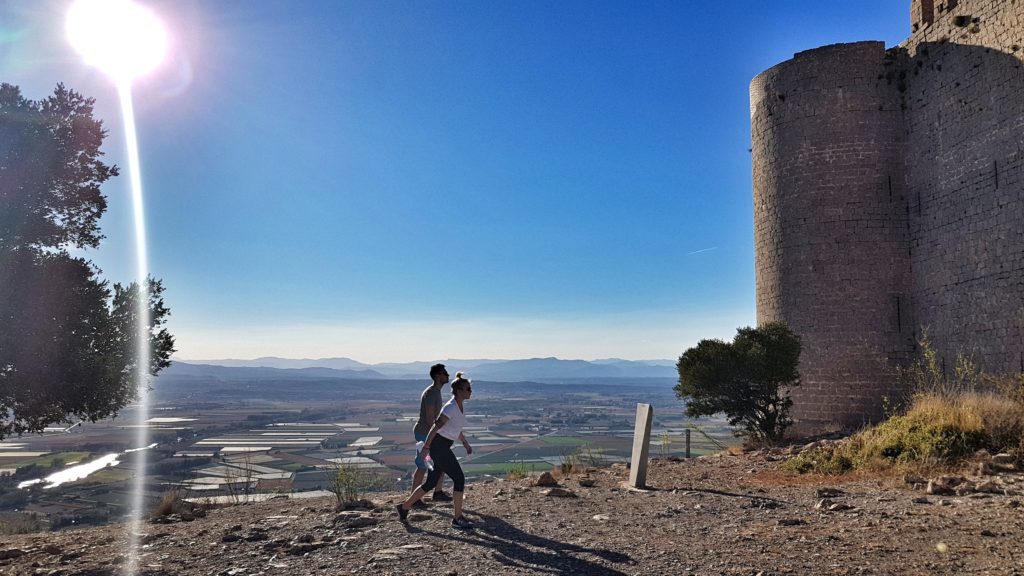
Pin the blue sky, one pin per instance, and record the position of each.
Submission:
(397, 181)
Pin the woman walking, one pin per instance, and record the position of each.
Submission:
(445, 431)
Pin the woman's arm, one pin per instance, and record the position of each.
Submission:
(469, 449)
(438, 424)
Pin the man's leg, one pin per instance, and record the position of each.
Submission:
(439, 495)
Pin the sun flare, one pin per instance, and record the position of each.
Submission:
(120, 37)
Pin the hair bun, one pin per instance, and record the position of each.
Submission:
(458, 375)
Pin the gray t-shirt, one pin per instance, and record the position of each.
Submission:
(429, 400)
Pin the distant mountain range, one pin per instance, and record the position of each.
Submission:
(535, 369)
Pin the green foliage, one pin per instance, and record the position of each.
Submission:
(67, 342)
(746, 379)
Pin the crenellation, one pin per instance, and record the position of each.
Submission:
(888, 196)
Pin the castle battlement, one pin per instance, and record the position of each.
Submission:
(889, 195)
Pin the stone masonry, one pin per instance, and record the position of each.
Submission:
(889, 196)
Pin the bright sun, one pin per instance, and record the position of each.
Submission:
(120, 37)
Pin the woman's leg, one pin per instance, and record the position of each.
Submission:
(454, 471)
(419, 492)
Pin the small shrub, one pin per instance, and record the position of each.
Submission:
(570, 464)
(347, 483)
(518, 470)
(170, 503)
(665, 444)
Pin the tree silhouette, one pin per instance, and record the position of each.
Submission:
(67, 341)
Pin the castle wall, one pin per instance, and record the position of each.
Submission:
(964, 174)
(889, 195)
(831, 241)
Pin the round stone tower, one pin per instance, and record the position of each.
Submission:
(830, 224)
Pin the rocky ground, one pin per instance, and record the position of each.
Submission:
(725, 514)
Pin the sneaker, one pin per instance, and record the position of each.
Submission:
(402, 513)
(461, 523)
(420, 504)
(441, 497)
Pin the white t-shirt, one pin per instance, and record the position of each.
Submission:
(456, 420)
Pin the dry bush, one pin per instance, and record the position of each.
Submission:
(939, 431)
(170, 503)
(350, 482)
(20, 523)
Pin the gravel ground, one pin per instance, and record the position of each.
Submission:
(725, 514)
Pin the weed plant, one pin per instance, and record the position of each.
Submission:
(950, 418)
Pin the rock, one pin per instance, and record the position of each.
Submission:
(559, 492)
(587, 482)
(57, 550)
(418, 517)
(913, 479)
(600, 517)
(964, 488)
(1003, 458)
(255, 535)
(231, 538)
(921, 500)
(944, 485)
(345, 517)
(988, 533)
(11, 553)
(305, 539)
(361, 522)
(828, 492)
(791, 522)
(146, 539)
(840, 507)
(305, 548)
(823, 504)
(546, 479)
(989, 487)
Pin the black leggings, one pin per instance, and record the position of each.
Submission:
(444, 463)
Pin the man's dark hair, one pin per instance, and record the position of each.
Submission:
(435, 369)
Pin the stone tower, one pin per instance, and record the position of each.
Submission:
(889, 196)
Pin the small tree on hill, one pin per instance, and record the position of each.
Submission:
(67, 342)
(747, 379)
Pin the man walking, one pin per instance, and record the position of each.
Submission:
(430, 407)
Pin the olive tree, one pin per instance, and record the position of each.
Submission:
(747, 379)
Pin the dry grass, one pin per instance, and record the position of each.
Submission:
(170, 503)
(939, 431)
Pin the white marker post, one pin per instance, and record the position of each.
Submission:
(641, 446)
